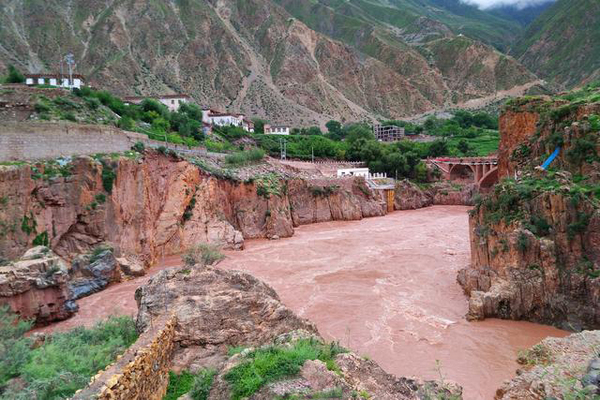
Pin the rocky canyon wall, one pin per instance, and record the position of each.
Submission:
(156, 205)
(535, 240)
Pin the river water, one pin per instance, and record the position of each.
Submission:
(384, 287)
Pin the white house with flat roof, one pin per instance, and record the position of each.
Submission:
(348, 172)
(172, 101)
(277, 130)
(58, 80)
(217, 118)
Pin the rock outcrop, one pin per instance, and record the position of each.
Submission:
(216, 310)
(36, 285)
(92, 273)
(158, 205)
(410, 196)
(534, 240)
(566, 368)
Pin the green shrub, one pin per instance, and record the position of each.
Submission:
(578, 226)
(14, 75)
(179, 385)
(78, 355)
(92, 102)
(41, 239)
(202, 384)
(98, 250)
(245, 157)
(65, 362)
(41, 107)
(203, 253)
(108, 176)
(15, 349)
(139, 147)
(522, 242)
(28, 224)
(126, 123)
(273, 363)
(69, 116)
(100, 198)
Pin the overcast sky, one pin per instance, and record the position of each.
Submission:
(492, 3)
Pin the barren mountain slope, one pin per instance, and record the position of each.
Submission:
(254, 56)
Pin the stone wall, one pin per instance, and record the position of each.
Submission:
(45, 140)
(142, 373)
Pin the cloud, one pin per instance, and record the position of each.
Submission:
(520, 4)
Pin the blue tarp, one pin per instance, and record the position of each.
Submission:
(546, 164)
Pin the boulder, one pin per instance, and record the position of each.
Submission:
(90, 274)
(36, 286)
(131, 267)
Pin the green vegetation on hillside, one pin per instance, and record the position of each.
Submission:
(63, 363)
(13, 75)
(197, 385)
(563, 44)
(269, 364)
(150, 117)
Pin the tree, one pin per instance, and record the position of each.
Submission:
(334, 127)
(358, 131)
(438, 148)
(259, 125)
(14, 75)
(463, 147)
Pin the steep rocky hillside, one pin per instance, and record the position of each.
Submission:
(563, 44)
(534, 240)
(153, 204)
(269, 58)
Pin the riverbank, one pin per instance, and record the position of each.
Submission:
(384, 287)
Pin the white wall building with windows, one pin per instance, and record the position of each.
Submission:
(348, 172)
(57, 80)
(277, 130)
(217, 118)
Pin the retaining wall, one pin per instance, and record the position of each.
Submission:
(142, 373)
(45, 140)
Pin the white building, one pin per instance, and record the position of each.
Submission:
(172, 101)
(217, 118)
(346, 172)
(277, 130)
(57, 80)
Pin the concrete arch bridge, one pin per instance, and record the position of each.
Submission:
(480, 170)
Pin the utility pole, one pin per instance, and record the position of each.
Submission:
(313, 153)
(70, 59)
(283, 148)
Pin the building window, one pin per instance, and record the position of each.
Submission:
(172, 101)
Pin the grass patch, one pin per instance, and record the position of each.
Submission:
(243, 158)
(198, 386)
(203, 253)
(65, 362)
(270, 364)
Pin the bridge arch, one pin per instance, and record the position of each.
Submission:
(462, 171)
(489, 179)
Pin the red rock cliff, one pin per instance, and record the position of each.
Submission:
(535, 240)
(158, 205)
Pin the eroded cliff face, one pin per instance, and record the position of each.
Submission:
(409, 196)
(156, 205)
(534, 240)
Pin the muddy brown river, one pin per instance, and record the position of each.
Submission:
(384, 287)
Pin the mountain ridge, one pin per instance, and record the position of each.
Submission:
(261, 57)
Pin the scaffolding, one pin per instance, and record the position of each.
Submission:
(388, 133)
